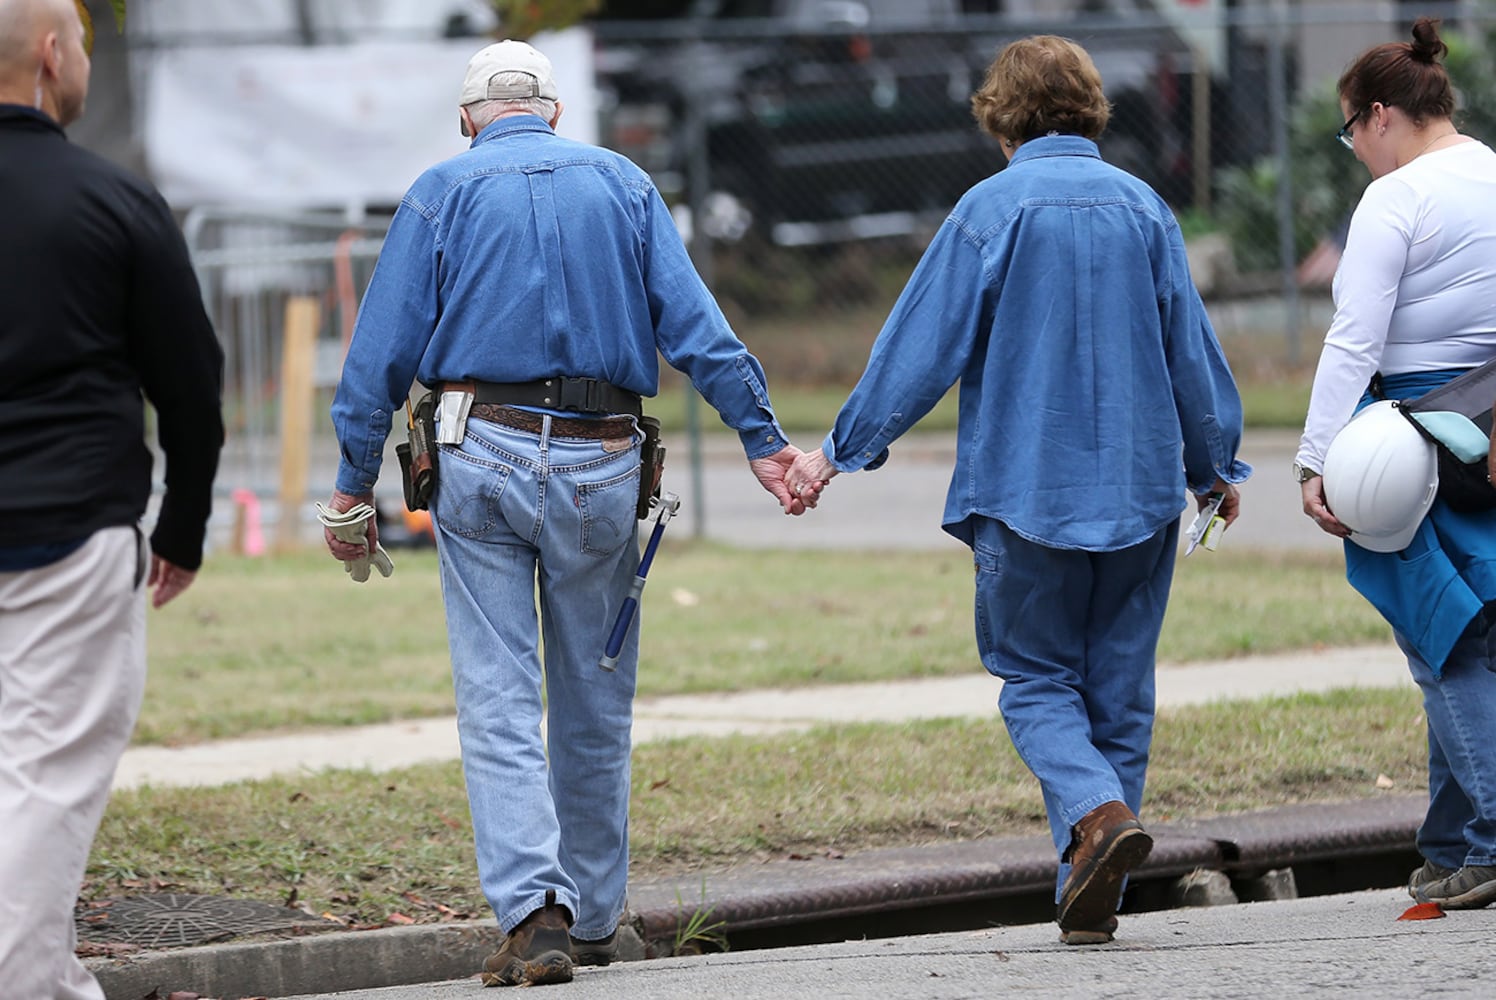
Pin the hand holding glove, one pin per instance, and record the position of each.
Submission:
(349, 534)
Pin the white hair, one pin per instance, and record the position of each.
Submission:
(485, 113)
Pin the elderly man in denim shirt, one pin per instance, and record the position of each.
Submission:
(1093, 393)
(527, 264)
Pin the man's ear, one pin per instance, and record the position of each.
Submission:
(465, 122)
(557, 116)
(51, 54)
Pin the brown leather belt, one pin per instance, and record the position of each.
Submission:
(601, 429)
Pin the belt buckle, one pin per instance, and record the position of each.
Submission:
(581, 394)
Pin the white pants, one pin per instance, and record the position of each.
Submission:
(72, 672)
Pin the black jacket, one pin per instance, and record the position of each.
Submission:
(98, 306)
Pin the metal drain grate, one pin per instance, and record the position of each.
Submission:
(176, 920)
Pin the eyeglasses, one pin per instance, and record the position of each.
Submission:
(1344, 135)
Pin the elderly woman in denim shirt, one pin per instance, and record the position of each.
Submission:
(1093, 394)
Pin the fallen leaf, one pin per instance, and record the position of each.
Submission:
(655, 786)
(684, 598)
(1384, 782)
(399, 918)
(95, 949)
(449, 821)
(1423, 911)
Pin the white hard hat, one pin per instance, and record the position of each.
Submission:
(1380, 478)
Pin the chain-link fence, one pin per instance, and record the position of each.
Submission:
(282, 290)
(811, 148)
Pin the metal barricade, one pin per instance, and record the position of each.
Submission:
(282, 290)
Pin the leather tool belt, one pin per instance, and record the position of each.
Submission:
(585, 395)
(598, 429)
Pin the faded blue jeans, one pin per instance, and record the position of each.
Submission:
(1073, 635)
(1460, 826)
(522, 516)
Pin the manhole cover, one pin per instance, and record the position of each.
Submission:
(176, 920)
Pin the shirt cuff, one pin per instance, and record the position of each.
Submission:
(866, 460)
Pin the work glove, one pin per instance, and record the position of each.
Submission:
(351, 526)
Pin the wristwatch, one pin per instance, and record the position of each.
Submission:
(1302, 473)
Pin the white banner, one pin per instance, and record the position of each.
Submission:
(323, 126)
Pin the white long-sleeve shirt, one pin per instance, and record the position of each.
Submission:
(1416, 286)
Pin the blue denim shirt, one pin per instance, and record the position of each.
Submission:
(530, 256)
(1093, 389)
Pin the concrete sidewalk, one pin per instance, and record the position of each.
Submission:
(1330, 946)
(400, 744)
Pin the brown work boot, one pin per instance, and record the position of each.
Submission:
(1105, 845)
(603, 951)
(1100, 934)
(536, 953)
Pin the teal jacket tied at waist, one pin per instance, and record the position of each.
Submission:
(1431, 590)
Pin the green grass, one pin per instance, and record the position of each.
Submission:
(362, 846)
(288, 642)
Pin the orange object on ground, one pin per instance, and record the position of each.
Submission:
(1423, 911)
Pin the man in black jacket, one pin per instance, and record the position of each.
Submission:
(99, 309)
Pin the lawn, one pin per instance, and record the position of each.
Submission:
(361, 846)
(288, 642)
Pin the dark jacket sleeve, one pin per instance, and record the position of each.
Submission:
(180, 365)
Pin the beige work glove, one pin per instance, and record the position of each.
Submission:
(351, 526)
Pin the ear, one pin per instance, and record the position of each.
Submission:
(465, 122)
(557, 116)
(51, 54)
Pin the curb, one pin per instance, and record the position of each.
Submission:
(877, 893)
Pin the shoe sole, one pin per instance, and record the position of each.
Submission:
(1481, 896)
(549, 969)
(1100, 890)
(1085, 937)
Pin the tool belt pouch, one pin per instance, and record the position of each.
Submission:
(1460, 447)
(651, 464)
(1463, 485)
(418, 455)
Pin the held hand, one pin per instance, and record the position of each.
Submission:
(1313, 490)
(1230, 500)
(809, 476)
(167, 580)
(344, 551)
(770, 472)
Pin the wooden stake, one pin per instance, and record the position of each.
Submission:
(298, 359)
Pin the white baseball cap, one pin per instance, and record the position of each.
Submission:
(507, 56)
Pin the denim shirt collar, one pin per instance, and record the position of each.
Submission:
(509, 126)
(1055, 145)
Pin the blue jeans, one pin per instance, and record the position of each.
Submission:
(521, 516)
(1460, 826)
(1073, 635)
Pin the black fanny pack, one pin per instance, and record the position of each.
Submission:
(1463, 486)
